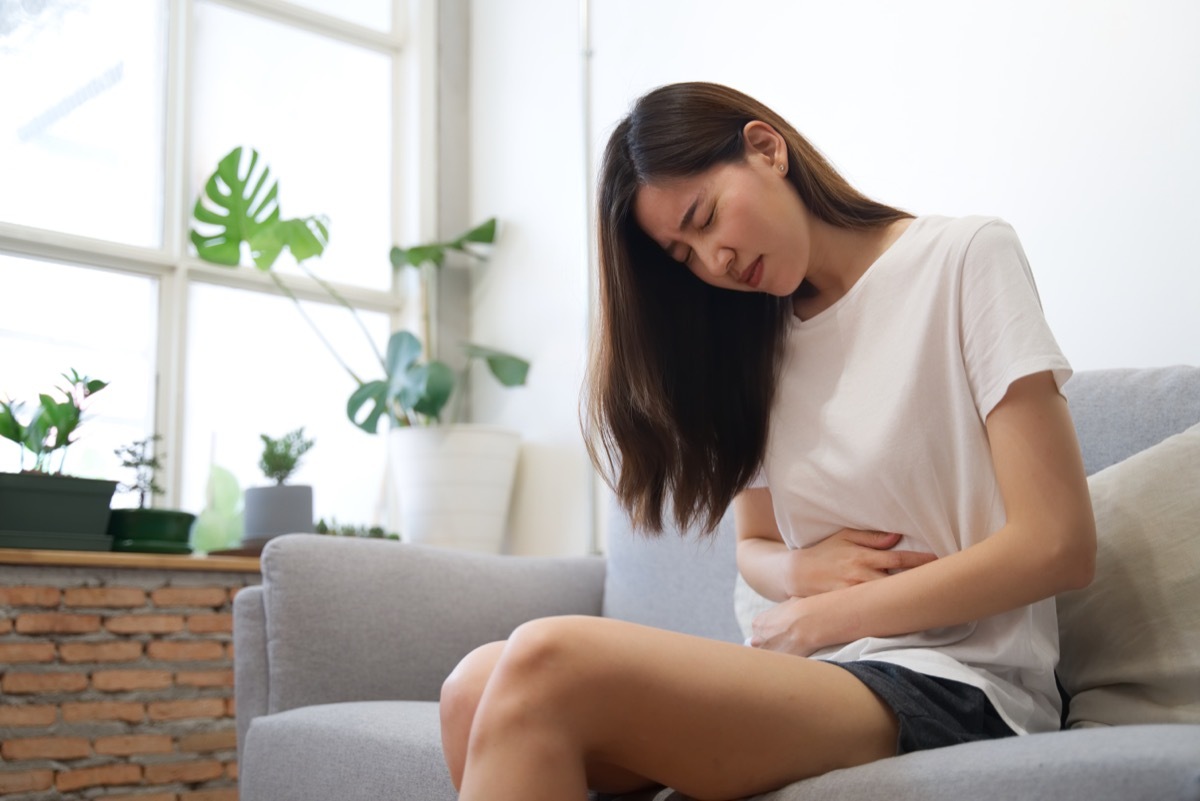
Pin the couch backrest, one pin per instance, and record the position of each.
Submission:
(686, 584)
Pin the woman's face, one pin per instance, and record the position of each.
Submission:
(739, 226)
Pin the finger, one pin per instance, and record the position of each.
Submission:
(903, 560)
(873, 539)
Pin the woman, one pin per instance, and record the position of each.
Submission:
(842, 373)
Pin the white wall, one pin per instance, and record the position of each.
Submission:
(1076, 121)
(531, 298)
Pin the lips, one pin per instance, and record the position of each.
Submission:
(753, 274)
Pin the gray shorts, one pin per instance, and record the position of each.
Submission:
(932, 712)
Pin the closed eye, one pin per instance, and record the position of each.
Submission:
(711, 216)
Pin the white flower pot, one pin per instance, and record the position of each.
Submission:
(451, 485)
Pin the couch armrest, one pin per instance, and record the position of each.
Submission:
(362, 620)
(249, 659)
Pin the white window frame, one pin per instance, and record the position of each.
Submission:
(413, 46)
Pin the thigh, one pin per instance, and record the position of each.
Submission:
(710, 719)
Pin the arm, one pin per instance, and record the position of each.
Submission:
(1047, 545)
(843, 559)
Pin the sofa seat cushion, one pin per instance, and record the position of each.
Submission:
(1132, 763)
(361, 751)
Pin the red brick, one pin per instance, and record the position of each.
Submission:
(229, 651)
(204, 678)
(181, 710)
(6, 625)
(46, 748)
(122, 680)
(29, 596)
(25, 781)
(130, 744)
(213, 597)
(231, 770)
(230, 708)
(221, 623)
(223, 794)
(144, 624)
(204, 742)
(186, 650)
(142, 797)
(117, 651)
(123, 597)
(105, 775)
(128, 711)
(20, 683)
(57, 623)
(29, 715)
(16, 652)
(191, 771)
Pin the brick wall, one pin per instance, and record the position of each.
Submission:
(117, 684)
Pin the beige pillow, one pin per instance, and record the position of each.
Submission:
(1131, 640)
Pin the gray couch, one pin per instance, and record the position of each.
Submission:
(341, 653)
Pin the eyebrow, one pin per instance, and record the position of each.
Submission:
(689, 214)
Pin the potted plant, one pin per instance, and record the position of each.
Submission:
(144, 529)
(240, 211)
(40, 507)
(281, 508)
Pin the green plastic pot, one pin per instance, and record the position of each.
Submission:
(150, 530)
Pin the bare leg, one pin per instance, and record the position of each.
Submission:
(712, 720)
(460, 698)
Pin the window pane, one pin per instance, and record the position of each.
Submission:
(81, 133)
(102, 324)
(375, 14)
(319, 112)
(255, 367)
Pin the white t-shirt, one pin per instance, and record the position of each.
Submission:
(878, 424)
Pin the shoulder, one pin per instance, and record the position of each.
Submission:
(965, 231)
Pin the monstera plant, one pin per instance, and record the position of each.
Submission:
(239, 211)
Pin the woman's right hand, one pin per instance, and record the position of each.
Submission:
(845, 558)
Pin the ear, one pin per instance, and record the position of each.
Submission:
(764, 141)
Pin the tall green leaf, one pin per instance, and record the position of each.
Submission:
(509, 370)
(238, 206)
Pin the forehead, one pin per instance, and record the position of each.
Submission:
(659, 206)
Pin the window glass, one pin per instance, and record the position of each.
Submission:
(255, 367)
(375, 14)
(318, 111)
(57, 317)
(81, 133)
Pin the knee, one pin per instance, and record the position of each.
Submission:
(544, 659)
(460, 696)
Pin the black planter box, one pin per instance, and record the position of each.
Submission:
(54, 512)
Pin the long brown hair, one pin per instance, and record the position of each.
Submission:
(682, 375)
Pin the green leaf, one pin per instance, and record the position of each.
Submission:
(374, 393)
(306, 237)
(509, 370)
(484, 233)
(418, 255)
(224, 494)
(439, 384)
(234, 207)
(402, 352)
(10, 426)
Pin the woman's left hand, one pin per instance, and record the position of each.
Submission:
(791, 627)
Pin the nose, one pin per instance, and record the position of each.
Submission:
(719, 261)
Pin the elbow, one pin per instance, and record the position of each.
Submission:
(1074, 562)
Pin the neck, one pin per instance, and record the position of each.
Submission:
(839, 257)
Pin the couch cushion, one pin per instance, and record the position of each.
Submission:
(1131, 763)
(365, 751)
(1131, 640)
(1121, 411)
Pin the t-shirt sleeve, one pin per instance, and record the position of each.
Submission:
(1004, 332)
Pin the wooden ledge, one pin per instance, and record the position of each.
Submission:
(237, 564)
